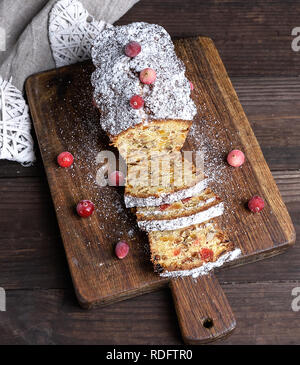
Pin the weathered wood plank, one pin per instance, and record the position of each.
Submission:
(289, 186)
(263, 313)
(31, 251)
(262, 310)
(253, 37)
(14, 169)
(33, 263)
(273, 108)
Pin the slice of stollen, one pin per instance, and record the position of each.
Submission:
(190, 251)
(165, 178)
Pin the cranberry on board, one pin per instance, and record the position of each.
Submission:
(121, 249)
(65, 159)
(236, 158)
(85, 208)
(256, 204)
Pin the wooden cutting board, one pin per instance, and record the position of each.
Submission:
(64, 119)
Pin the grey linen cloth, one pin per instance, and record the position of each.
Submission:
(26, 26)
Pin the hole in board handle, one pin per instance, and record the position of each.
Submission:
(208, 323)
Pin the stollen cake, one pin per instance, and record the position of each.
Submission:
(146, 109)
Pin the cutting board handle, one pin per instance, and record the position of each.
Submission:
(203, 311)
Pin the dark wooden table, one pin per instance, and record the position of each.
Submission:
(254, 40)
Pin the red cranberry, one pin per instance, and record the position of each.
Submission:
(136, 102)
(164, 206)
(65, 159)
(147, 76)
(256, 204)
(121, 249)
(85, 208)
(236, 158)
(206, 254)
(132, 49)
(176, 252)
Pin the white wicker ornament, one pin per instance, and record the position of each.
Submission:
(15, 139)
(71, 32)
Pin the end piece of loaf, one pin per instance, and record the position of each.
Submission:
(188, 248)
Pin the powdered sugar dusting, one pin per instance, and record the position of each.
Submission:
(116, 78)
(205, 268)
(214, 139)
(182, 222)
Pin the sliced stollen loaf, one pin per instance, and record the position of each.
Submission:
(149, 121)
